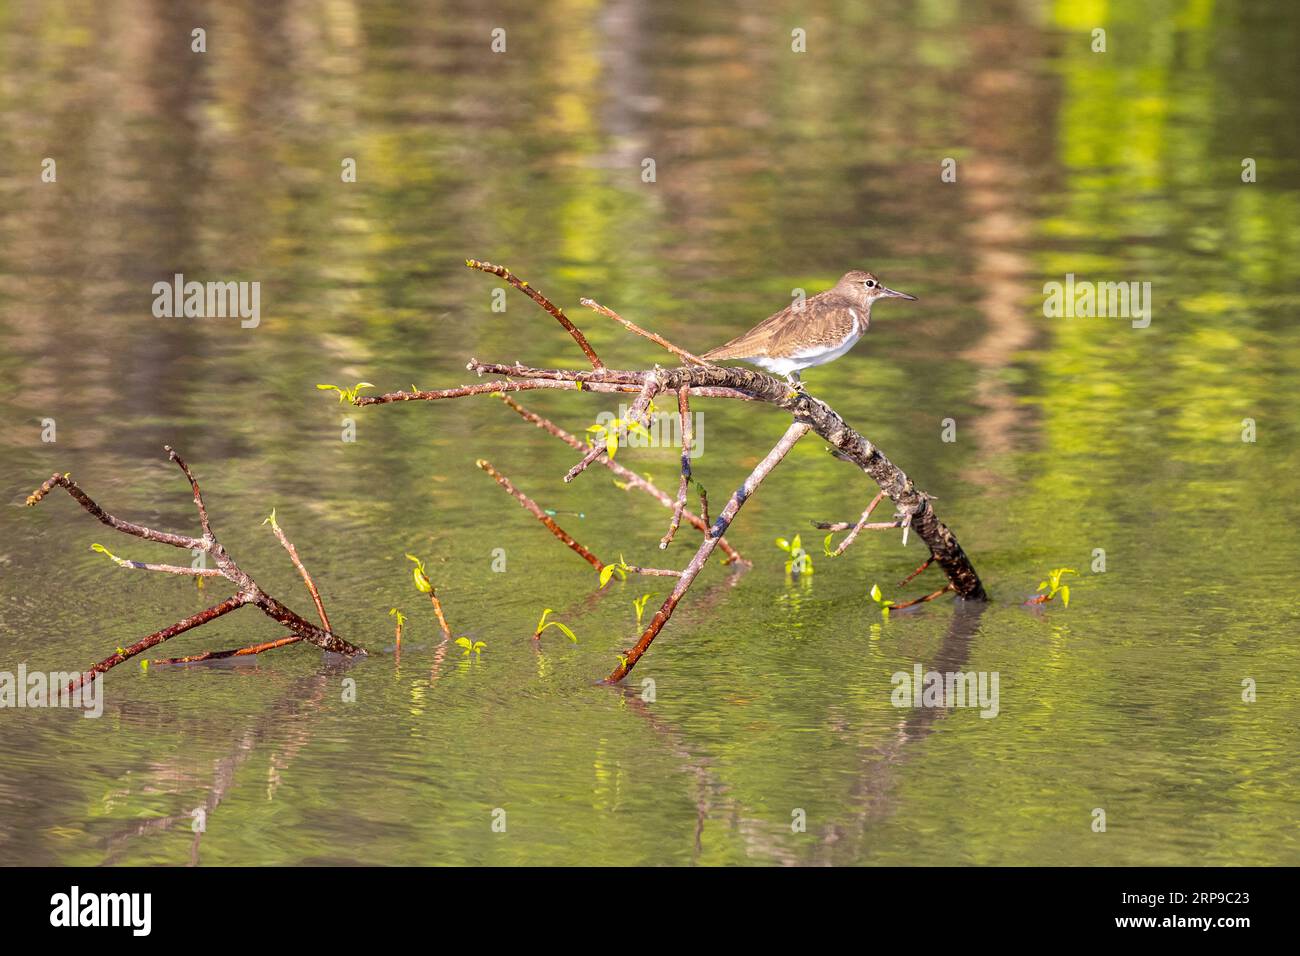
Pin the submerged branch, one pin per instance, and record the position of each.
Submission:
(247, 591)
(233, 652)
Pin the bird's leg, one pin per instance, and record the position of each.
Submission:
(796, 386)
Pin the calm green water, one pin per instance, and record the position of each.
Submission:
(774, 170)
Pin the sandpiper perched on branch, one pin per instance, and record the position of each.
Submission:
(812, 332)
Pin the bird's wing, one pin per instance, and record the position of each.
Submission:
(790, 330)
(756, 341)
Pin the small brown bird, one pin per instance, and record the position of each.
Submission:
(812, 332)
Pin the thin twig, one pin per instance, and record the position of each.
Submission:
(659, 572)
(862, 523)
(688, 438)
(531, 507)
(652, 336)
(924, 564)
(117, 524)
(637, 413)
(921, 600)
(490, 388)
(545, 303)
(437, 610)
(194, 486)
(850, 525)
(233, 652)
(306, 578)
(169, 569)
(742, 494)
(630, 478)
(232, 603)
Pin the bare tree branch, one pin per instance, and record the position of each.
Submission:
(248, 591)
(545, 303)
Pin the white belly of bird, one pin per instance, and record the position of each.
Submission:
(807, 358)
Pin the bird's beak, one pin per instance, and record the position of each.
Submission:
(894, 294)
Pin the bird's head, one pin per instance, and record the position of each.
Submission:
(866, 288)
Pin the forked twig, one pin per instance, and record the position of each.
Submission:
(630, 478)
(639, 412)
(248, 591)
(862, 523)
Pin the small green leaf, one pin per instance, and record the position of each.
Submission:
(542, 621)
(606, 573)
(1065, 595)
(826, 545)
(875, 593)
(422, 583)
(144, 665)
(796, 543)
(563, 627)
(783, 544)
(639, 604)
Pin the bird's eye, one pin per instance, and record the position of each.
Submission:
(870, 283)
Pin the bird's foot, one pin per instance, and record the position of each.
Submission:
(797, 388)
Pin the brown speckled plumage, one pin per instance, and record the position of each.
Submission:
(814, 331)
